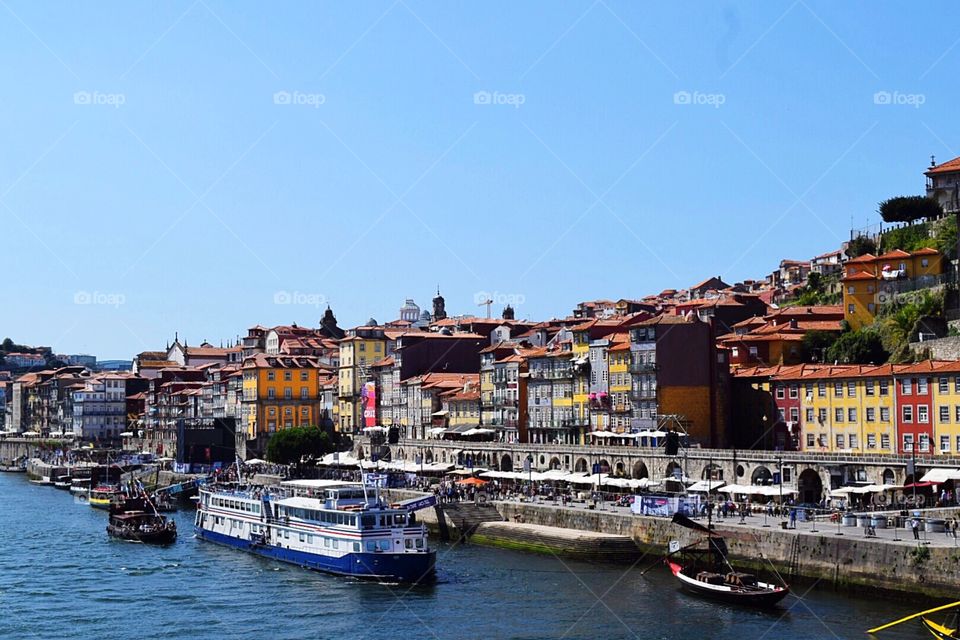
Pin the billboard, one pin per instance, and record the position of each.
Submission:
(369, 403)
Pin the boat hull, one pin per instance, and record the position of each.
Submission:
(100, 503)
(166, 536)
(938, 630)
(761, 598)
(389, 567)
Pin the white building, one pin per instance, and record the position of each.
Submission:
(100, 408)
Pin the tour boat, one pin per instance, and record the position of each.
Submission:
(80, 486)
(63, 482)
(708, 572)
(135, 520)
(325, 525)
(103, 496)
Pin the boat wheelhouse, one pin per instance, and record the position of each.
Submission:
(324, 525)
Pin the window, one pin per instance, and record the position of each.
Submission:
(924, 262)
(908, 442)
(271, 375)
(304, 393)
(852, 414)
(958, 443)
(943, 385)
(956, 384)
(868, 387)
(840, 441)
(780, 392)
(871, 307)
(851, 389)
(809, 389)
(871, 441)
(922, 386)
(288, 375)
(907, 413)
(906, 386)
(794, 391)
(850, 290)
(271, 393)
(884, 440)
(923, 413)
(811, 442)
(794, 414)
(944, 444)
(822, 415)
(822, 389)
(809, 415)
(304, 376)
(854, 443)
(884, 414)
(956, 413)
(944, 414)
(924, 442)
(850, 308)
(884, 387)
(287, 393)
(837, 389)
(871, 414)
(753, 352)
(838, 415)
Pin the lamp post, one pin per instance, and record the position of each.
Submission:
(780, 477)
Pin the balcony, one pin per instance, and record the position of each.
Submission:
(622, 408)
(643, 394)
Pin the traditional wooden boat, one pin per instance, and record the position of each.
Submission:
(937, 630)
(135, 520)
(708, 572)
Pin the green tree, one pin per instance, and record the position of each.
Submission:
(861, 245)
(909, 208)
(293, 445)
(863, 346)
(816, 344)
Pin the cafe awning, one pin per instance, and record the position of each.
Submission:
(940, 475)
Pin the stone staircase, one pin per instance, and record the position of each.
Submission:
(585, 546)
(463, 518)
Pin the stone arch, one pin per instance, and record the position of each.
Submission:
(640, 470)
(810, 486)
(673, 468)
(581, 466)
(428, 458)
(888, 477)
(400, 454)
(506, 463)
(619, 469)
(543, 460)
(604, 466)
(712, 471)
(554, 462)
(761, 476)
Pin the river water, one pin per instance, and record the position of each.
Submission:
(62, 577)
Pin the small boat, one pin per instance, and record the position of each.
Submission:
(12, 467)
(63, 482)
(43, 481)
(104, 496)
(135, 520)
(708, 572)
(80, 487)
(937, 630)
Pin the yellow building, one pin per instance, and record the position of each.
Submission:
(581, 379)
(358, 350)
(946, 408)
(281, 392)
(846, 408)
(618, 359)
(870, 282)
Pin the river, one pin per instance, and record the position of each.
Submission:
(62, 577)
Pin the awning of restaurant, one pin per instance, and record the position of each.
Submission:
(939, 476)
(706, 485)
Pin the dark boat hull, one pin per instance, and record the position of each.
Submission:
(165, 536)
(757, 598)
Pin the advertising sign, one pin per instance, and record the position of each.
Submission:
(369, 398)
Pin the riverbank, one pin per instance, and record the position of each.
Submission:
(822, 552)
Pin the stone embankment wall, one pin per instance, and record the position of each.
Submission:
(941, 348)
(844, 561)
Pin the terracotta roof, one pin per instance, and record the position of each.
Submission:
(867, 257)
(859, 275)
(926, 251)
(896, 253)
(945, 167)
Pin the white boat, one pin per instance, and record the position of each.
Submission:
(323, 525)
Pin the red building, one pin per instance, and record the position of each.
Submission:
(914, 405)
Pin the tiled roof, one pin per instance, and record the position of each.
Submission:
(945, 167)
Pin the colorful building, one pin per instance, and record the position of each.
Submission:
(280, 392)
(870, 281)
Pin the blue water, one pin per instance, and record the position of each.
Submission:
(62, 577)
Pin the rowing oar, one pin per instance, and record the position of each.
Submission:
(916, 615)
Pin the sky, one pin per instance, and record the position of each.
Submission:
(200, 167)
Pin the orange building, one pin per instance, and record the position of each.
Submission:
(870, 281)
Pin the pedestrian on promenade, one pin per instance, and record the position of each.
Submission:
(915, 525)
(946, 527)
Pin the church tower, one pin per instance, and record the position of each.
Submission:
(439, 311)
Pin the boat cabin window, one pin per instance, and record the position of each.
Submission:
(368, 521)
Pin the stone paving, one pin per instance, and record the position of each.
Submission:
(822, 526)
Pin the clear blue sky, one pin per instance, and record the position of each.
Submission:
(148, 169)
